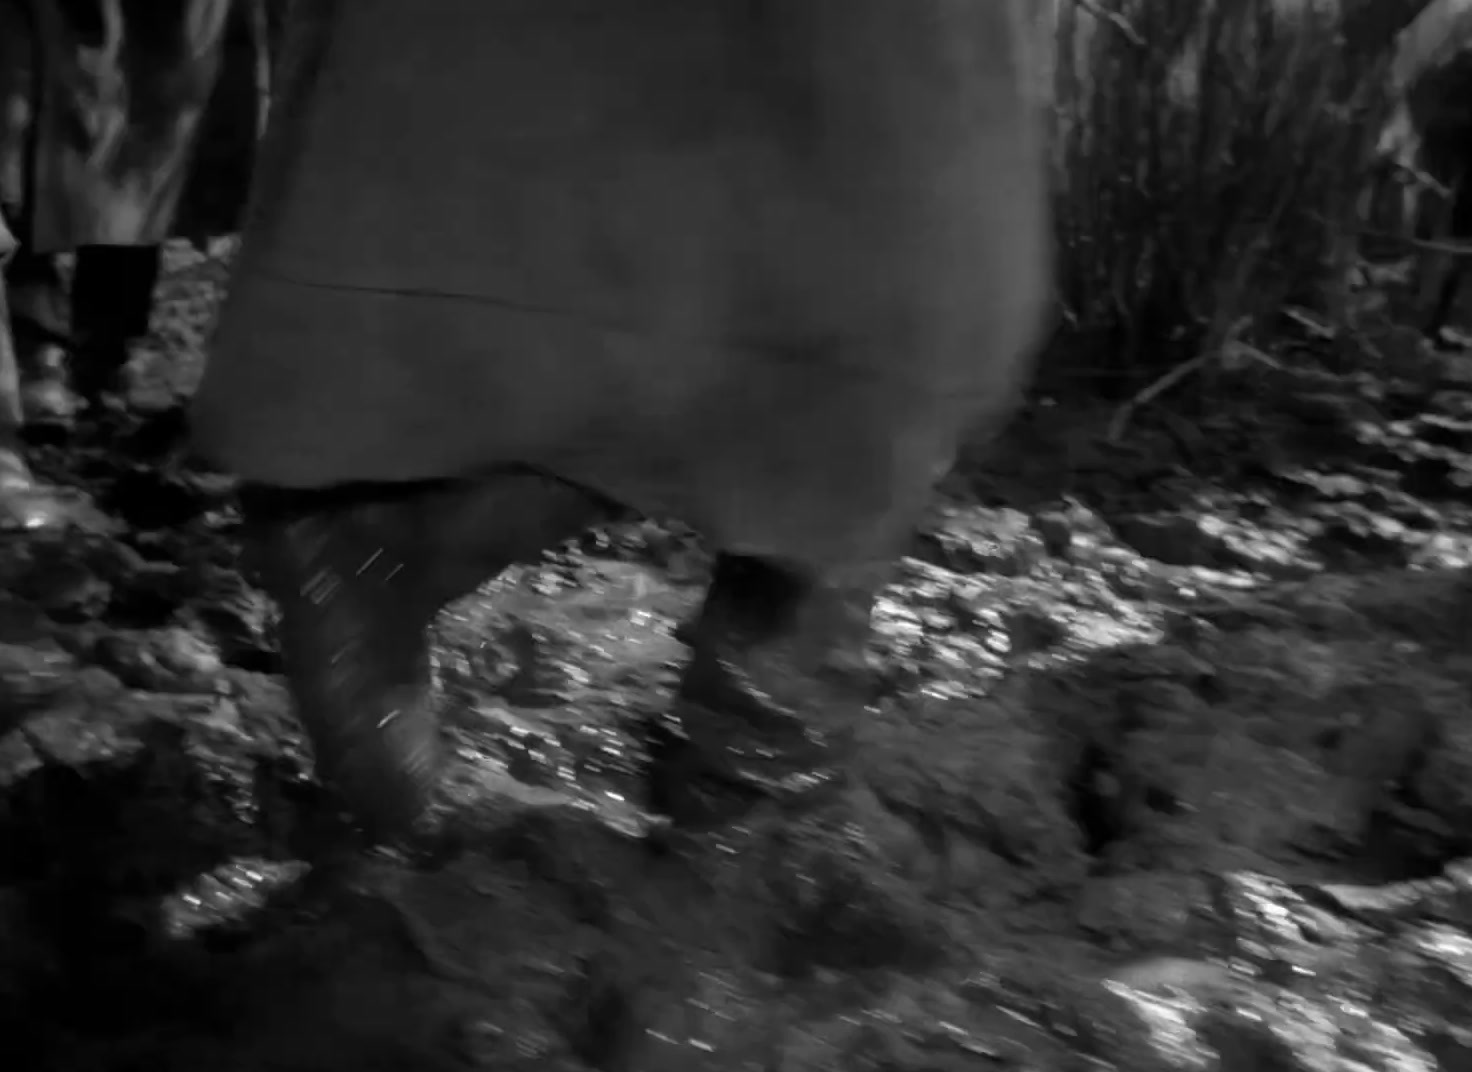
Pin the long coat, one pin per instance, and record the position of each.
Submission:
(754, 263)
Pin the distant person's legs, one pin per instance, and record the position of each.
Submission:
(112, 301)
(40, 322)
(71, 349)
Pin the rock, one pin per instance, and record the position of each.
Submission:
(1176, 541)
(162, 660)
(240, 628)
(22, 622)
(1441, 782)
(31, 680)
(1330, 412)
(1031, 629)
(187, 655)
(1360, 536)
(541, 678)
(147, 594)
(18, 759)
(974, 539)
(1055, 532)
(1204, 1024)
(1139, 911)
(66, 590)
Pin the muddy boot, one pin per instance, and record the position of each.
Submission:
(359, 574)
(354, 609)
(777, 678)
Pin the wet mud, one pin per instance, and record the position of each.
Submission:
(1171, 769)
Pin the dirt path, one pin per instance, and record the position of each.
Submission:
(1138, 794)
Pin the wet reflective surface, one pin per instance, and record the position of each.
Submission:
(1135, 793)
(1092, 840)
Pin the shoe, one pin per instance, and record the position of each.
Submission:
(100, 374)
(47, 399)
(767, 705)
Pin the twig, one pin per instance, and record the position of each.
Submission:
(1115, 19)
(1229, 345)
(1420, 179)
(1426, 245)
(1121, 418)
(1305, 320)
(1252, 353)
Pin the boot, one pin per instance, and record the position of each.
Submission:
(354, 610)
(766, 706)
(359, 574)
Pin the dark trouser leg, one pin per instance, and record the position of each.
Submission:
(359, 574)
(1457, 227)
(774, 686)
(112, 300)
(775, 683)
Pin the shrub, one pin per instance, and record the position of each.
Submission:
(1207, 160)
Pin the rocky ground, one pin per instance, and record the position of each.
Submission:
(1172, 770)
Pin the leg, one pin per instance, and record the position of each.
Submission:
(38, 298)
(359, 574)
(24, 503)
(112, 300)
(775, 683)
(42, 328)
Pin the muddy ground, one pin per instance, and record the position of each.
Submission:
(1171, 769)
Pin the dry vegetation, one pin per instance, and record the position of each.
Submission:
(1208, 166)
